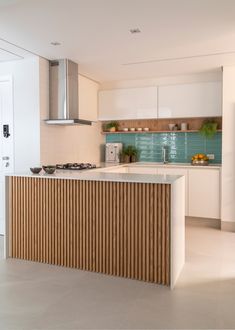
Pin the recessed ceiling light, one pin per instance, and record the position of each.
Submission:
(136, 30)
(55, 43)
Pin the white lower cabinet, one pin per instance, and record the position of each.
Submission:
(178, 171)
(115, 170)
(202, 187)
(142, 170)
(204, 193)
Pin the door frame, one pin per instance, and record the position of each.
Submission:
(8, 79)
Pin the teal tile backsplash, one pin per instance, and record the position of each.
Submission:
(181, 146)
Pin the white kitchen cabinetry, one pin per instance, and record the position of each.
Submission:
(204, 193)
(87, 98)
(202, 186)
(142, 170)
(190, 100)
(128, 103)
(177, 171)
(115, 170)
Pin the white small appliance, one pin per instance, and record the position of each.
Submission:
(112, 152)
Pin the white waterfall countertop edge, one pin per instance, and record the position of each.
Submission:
(99, 176)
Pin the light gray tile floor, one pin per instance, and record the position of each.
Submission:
(38, 296)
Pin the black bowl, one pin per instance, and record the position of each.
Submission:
(35, 170)
(49, 169)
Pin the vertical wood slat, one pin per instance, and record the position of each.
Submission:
(115, 228)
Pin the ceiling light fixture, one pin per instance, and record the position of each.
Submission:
(55, 43)
(135, 30)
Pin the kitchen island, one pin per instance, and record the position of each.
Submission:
(121, 224)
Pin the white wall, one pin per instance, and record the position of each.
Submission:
(62, 144)
(36, 142)
(170, 80)
(25, 74)
(228, 150)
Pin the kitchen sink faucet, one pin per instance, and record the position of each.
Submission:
(165, 154)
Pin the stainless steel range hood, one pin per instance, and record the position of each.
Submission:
(64, 110)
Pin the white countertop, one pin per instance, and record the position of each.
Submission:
(181, 165)
(97, 174)
(101, 176)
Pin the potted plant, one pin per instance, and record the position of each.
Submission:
(209, 128)
(129, 154)
(124, 156)
(112, 126)
(133, 151)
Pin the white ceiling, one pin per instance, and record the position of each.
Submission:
(177, 36)
(6, 56)
(9, 52)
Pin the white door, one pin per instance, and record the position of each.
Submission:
(6, 141)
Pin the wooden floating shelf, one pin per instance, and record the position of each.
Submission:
(161, 125)
(150, 132)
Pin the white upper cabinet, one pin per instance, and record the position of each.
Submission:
(129, 103)
(190, 100)
(88, 98)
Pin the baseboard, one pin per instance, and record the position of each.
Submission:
(228, 226)
(211, 223)
(203, 222)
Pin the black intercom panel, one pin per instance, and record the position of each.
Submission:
(6, 133)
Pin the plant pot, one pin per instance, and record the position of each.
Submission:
(126, 159)
(133, 159)
(112, 129)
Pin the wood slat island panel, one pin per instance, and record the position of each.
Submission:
(116, 228)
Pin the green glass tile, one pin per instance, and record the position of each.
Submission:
(214, 146)
(181, 146)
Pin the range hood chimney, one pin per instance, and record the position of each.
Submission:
(63, 89)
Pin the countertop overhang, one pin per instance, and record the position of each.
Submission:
(97, 174)
(100, 176)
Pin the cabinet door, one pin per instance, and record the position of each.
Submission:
(142, 170)
(178, 171)
(88, 99)
(204, 193)
(115, 170)
(190, 100)
(129, 103)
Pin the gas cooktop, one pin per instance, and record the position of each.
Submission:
(75, 166)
